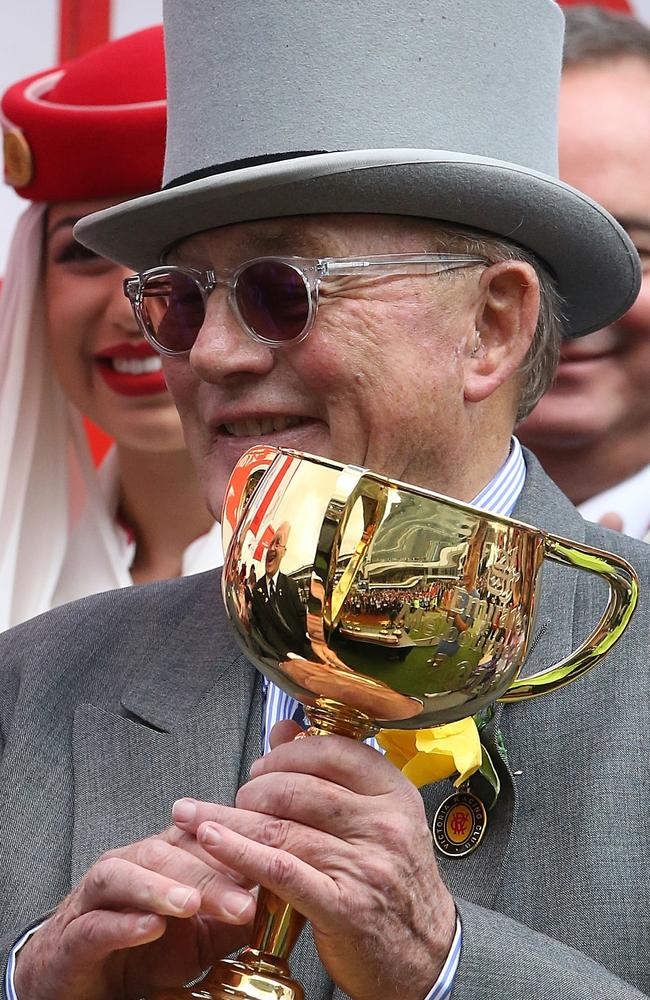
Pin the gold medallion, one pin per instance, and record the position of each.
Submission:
(19, 162)
(459, 824)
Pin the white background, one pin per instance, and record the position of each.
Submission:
(29, 43)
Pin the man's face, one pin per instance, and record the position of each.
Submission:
(601, 392)
(275, 554)
(378, 382)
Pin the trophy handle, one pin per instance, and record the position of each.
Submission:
(351, 486)
(623, 595)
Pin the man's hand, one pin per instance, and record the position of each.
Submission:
(334, 829)
(153, 914)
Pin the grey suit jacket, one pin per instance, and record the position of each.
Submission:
(114, 706)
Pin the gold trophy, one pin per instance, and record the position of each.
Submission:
(379, 605)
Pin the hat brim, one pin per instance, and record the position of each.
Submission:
(592, 258)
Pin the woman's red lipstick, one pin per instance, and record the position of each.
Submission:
(131, 369)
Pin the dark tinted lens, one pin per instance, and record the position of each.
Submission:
(273, 300)
(173, 307)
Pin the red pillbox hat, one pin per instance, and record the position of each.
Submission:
(93, 127)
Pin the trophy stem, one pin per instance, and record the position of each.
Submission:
(329, 717)
(261, 972)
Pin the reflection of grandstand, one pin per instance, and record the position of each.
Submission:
(410, 556)
(410, 549)
(411, 552)
(415, 571)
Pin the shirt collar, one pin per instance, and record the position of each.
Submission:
(502, 492)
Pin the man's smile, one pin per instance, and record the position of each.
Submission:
(259, 426)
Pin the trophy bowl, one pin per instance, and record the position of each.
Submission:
(379, 605)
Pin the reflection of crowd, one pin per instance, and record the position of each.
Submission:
(390, 600)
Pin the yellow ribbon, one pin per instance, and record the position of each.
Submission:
(426, 755)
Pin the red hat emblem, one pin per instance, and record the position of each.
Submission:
(18, 159)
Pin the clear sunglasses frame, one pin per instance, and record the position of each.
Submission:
(311, 270)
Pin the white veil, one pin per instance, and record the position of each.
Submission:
(48, 485)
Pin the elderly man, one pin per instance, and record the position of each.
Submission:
(364, 253)
(591, 431)
(276, 609)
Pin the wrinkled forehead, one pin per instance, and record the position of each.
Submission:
(335, 235)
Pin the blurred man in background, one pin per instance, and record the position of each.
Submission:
(591, 431)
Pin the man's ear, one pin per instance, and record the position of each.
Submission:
(505, 321)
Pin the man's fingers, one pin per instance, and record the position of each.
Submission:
(220, 896)
(334, 758)
(180, 837)
(305, 888)
(313, 803)
(314, 846)
(107, 931)
(160, 878)
(114, 883)
(284, 732)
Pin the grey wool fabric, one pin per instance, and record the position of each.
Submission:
(114, 706)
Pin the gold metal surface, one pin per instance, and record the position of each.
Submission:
(623, 596)
(407, 607)
(252, 977)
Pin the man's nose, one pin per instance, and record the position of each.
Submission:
(637, 318)
(223, 349)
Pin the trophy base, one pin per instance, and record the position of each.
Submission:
(251, 977)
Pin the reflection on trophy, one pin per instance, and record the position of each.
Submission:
(379, 605)
(277, 612)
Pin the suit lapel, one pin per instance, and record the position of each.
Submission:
(180, 731)
(476, 877)
(543, 505)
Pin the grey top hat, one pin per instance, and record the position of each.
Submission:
(443, 109)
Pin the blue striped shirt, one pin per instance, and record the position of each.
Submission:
(499, 497)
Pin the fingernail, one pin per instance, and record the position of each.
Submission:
(183, 811)
(256, 768)
(235, 903)
(144, 923)
(210, 835)
(179, 896)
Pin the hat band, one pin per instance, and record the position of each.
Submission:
(248, 161)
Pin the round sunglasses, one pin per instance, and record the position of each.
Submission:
(274, 299)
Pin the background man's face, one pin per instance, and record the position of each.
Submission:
(602, 384)
(378, 382)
